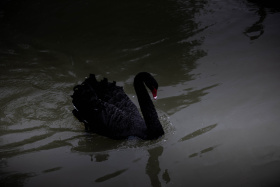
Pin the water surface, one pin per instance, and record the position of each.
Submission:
(217, 65)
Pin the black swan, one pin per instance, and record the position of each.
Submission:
(105, 109)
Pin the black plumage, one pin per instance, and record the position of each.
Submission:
(105, 109)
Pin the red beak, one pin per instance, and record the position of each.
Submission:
(154, 92)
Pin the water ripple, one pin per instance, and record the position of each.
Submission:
(198, 132)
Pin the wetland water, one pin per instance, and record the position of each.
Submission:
(217, 64)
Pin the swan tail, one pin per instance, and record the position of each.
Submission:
(85, 100)
(90, 106)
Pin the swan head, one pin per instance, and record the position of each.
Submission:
(149, 81)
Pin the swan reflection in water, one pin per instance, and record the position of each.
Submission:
(152, 169)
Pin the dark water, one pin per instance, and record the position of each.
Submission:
(217, 64)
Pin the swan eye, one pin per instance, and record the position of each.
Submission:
(154, 92)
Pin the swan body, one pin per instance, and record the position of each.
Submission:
(105, 109)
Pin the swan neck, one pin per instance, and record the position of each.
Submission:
(147, 108)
